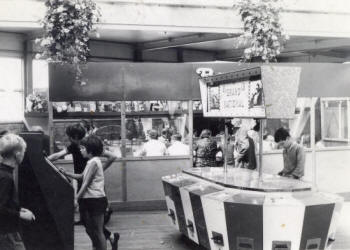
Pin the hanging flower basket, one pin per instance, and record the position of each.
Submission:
(67, 25)
(262, 29)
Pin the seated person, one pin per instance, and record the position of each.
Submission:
(153, 147)
(177, 147)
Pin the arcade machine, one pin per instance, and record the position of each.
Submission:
(49, 195)
(242, 209)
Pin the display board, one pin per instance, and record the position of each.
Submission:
(236, 94)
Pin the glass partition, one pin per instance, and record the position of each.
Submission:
(157, 128)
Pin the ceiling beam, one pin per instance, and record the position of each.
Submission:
(291, 47)
(184, 40)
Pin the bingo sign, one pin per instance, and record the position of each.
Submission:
(233, 95)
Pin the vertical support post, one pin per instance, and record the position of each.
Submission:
(261, 129)
(312, 141)
(123, 151)
(50, 126)
(225, 146)
(348, 116)
(340, 119)
(322, 105)
(190, 130)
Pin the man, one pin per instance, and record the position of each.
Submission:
(293, 155)
(12, 148)
(177, 147)
(153, 147)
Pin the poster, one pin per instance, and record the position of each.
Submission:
(235, 99)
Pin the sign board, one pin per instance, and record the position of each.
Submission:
(234, 94)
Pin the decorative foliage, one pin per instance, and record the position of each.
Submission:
(262, 29)
(67, 25)
(36, 102)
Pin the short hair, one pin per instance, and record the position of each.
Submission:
(206, 133)
(153, 134)
(87, 125)
(176, 137)
(10, 144)
(281, 134)
(76, 131)
(93, 145)
(37, 129)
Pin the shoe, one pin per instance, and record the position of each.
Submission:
(115, 241)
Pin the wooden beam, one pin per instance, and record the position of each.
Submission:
(293, 47)
(184, 40)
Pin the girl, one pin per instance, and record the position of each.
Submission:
(91, 196)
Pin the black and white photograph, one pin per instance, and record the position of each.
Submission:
(174, 125)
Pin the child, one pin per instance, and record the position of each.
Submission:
(76, 133)
(91, 196)
(12, 148)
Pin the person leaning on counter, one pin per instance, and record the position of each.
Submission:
(293, 155)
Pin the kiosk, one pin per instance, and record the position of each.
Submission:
(241, 209)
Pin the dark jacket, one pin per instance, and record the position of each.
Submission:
(9, 208)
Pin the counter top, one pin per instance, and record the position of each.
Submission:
(246, 179)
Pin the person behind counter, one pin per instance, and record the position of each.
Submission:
(177, 147)
(153, 147)
(244, 153)
(293, 155)
(91, 196)
(204, 151)
(12, 148)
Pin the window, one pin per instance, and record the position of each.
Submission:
(335, 120)
(11, 89)
(159, 120)
(40, 76)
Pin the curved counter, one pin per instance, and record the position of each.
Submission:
(240, 211)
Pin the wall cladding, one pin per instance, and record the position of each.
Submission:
(12, 127)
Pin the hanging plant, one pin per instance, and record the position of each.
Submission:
(67, 25)
(262, 29)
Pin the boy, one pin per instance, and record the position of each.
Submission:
(12, 148)
(91, 196)
(76, 133)
(293, 155)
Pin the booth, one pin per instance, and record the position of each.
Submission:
(242, 209)
(132, 182)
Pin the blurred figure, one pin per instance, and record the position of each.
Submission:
(268, 143)
(177, 147)
(153, 147)
(305, 140)
(319, 143)
(293, 155)
(165, 137)
(244, 150)
(205, 150)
